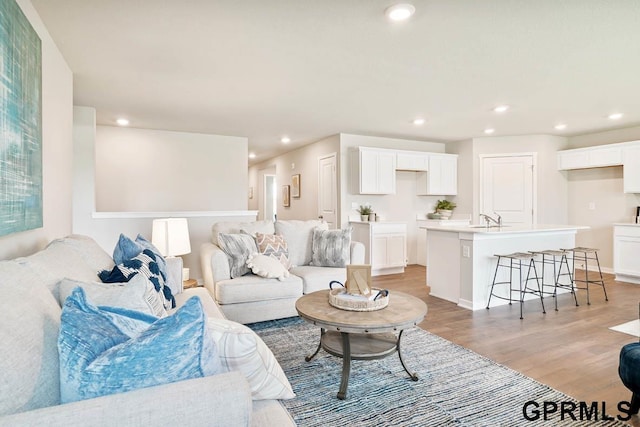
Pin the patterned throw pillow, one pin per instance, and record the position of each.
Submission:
(331, 248)
(127, 249)
(238, 248)
(145, 264)
(110, 350)
(274, 246)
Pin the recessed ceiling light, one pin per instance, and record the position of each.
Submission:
(252, 155)
(400, 11)
(122, 122)
(615, 116)
(285, 140)
(501, 108)
(489, 131)
(560, 126)
(419, 121)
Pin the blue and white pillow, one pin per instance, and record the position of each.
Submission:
(145, 263)
(127, 249)
(106, 350)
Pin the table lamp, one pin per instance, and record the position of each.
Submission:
(171, 237)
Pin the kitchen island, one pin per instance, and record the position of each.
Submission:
(461, 261)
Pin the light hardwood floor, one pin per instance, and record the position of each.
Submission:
(571, 350)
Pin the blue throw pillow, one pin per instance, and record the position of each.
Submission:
(145, 244)
(127, 249)
(145, 264)
(109, 350)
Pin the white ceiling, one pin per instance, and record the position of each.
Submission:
(313, 68)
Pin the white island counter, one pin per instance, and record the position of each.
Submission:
(461, 261)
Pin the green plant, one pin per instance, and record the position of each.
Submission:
(445, 205)
(365, 209)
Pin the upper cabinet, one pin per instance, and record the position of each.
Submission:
(441, 179)
(412, 161)
(375, 171)
(590, 157)
(626, 154)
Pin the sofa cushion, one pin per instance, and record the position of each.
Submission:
(299, 237)
(89, 251)
(318, 278)
(267, 267)
(238, 248)
(242, 350)
(275, 246)
(145, 264)
(99, 357)
(331, 248)
(255, 288)
(233, 227)
(137, 294)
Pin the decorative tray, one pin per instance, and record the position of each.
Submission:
(378, 299)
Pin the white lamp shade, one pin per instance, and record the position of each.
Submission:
(171, 236)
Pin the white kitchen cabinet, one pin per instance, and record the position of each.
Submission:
(442, 177)
(374, 171)
(631, 167)
(412, 161)
(626, 252)
(385, 245)
(591, 157)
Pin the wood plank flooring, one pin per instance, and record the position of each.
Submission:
(571, 350)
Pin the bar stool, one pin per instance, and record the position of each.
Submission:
(583, 254)
(516, 261)
(550, 256)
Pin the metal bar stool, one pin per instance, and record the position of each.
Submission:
(550, 256)
(516, 260)
(582, 254)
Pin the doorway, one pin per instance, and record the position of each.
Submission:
(328, 190)
(270, 197)
(508, 187)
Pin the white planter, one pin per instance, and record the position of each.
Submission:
(445, 213)
(364, 218)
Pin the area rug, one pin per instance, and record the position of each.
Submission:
(456, 386)
(631, 328)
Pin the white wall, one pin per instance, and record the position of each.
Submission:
(142, 170)
(603, 187)
(105, 227)
(57, 117)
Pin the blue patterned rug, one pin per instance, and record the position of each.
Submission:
(456, 386)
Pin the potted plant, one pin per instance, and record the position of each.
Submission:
(364, 211)
(445, 208)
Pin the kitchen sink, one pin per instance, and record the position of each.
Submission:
(490, 226)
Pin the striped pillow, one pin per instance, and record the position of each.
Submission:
(274, 246)
(238, 248)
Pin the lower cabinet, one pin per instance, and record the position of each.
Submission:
(385, 245)
(626, 252)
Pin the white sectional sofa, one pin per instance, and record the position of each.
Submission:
(30, 387)
(251, 298)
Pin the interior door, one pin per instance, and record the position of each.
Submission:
(328, 190)
(507, 188)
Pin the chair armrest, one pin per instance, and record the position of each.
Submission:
(214, 264)
(220, 400)
(174, 274)
(357, 253)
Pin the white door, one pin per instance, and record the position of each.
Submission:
(270, 197)
(507, 188)
(327, 189)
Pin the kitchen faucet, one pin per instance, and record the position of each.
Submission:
(490, 219)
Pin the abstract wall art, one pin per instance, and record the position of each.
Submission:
(20, 122)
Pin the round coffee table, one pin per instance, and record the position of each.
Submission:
(361, 335)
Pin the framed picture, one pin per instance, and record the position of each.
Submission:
(358, 279)
(251, 192)
(295, 186)
(286, 202)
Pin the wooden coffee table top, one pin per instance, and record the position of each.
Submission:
(402, 312)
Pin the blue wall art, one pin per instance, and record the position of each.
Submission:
(20, 122)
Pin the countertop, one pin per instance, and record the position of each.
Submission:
(627, 224)
(506, 229)
(378, 222)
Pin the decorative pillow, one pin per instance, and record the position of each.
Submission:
(145, 264)
(98, 357)
(275, 246)
(267, 267)
(137, 294)
(240, 349)
(238, 247)
(299, 236)
(127, 249)
(331, 248)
